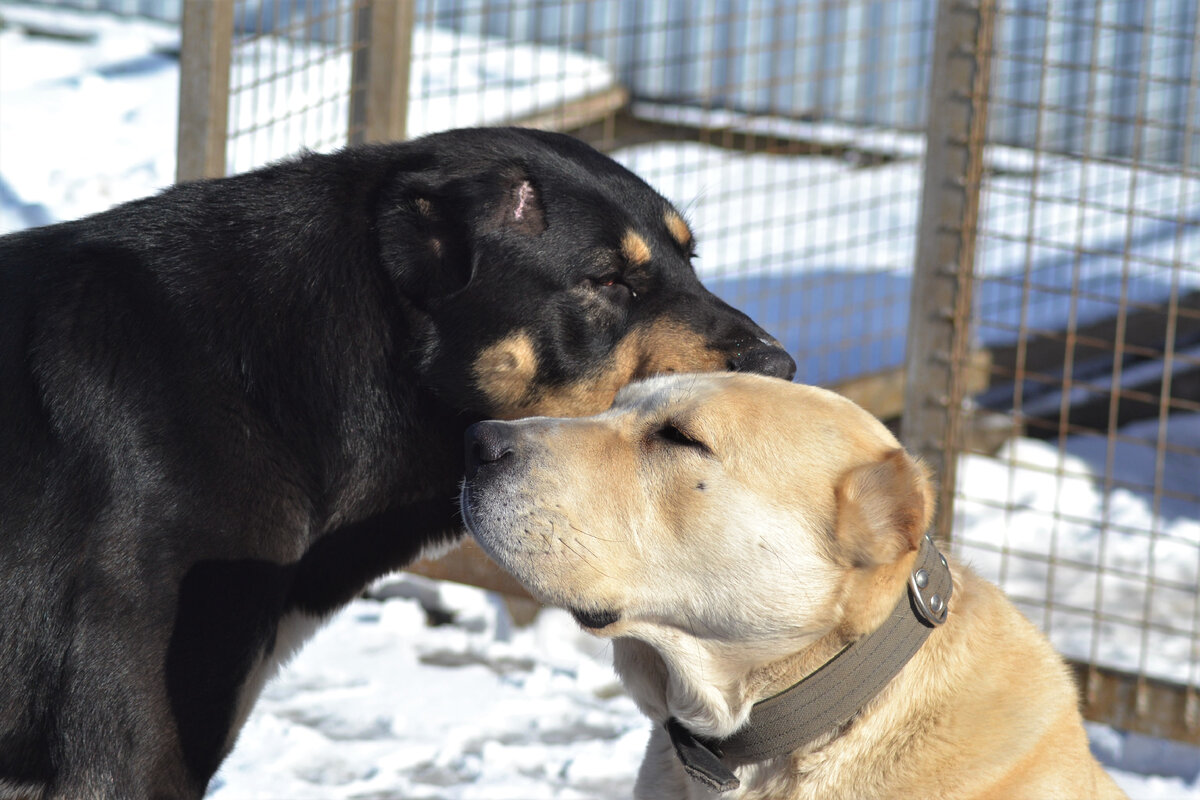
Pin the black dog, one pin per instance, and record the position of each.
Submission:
(227, 408)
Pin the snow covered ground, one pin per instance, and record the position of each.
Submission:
(1109, 545)
(382, 704)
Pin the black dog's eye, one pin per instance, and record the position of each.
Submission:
(613, 285)
(669, 432)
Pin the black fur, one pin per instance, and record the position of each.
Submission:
(246, 397)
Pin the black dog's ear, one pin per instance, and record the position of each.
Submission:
(517, 207)
(431, 224)
(421, 243)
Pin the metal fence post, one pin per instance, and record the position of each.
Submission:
(380, 70)
(204, 59)
(940, 305)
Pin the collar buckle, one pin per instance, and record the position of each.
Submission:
(929, 584)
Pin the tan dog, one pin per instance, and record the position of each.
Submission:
(731, 534)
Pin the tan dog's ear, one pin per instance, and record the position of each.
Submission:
(883, 509)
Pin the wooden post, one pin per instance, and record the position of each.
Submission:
(940, 306)
(204, 59)
(380, 70)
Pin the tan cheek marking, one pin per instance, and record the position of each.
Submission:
(678, 229)
(662, 347)
(669, 346)
(504, 372)
(635, 249)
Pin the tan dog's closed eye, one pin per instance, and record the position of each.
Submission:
(734, 535)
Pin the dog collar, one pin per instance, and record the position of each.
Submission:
(828, 698)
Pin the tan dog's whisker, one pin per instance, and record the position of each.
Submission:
(589, 550)
(592, 535)
(583, 560)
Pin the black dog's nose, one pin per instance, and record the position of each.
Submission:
(766, 359)
(487, 443)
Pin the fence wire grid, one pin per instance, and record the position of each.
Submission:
(1087, 298)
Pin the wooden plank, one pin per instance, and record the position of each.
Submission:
(577, 114)
(470, 565)
(1136, 703)
(624, 129)
(1092, 347)
(1145, 335)
(882, 393)
(1135, 401)
(205, 51)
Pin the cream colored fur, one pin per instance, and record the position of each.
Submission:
(740, 562)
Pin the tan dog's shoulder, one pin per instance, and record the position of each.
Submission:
(1018, 714)
(986, 709)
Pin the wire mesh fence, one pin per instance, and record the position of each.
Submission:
(1066, 198)
(1086, 275)
(290, 81)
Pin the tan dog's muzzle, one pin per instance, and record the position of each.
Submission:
(495, 491)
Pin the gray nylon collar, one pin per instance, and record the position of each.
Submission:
(828, 698)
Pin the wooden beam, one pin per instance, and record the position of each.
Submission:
(380, 71)
(943, 277)
(882, 393)
(1136, 703)
(1145, 335)
(205, 51)
(578, 113)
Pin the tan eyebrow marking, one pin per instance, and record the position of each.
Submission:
(634, 248)
(678, 228)
(505, 372)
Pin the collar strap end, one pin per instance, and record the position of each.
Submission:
(700, 759)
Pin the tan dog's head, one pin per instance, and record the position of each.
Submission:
(715, 526)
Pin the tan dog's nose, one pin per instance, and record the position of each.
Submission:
(487, 443)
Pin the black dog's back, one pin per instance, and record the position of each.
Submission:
(239, 401)
(161, 378)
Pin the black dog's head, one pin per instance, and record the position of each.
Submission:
(546, 276)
